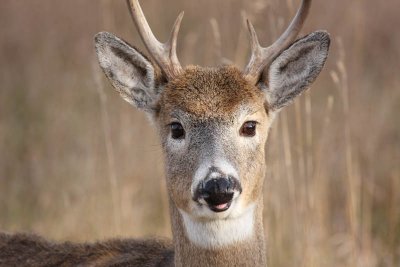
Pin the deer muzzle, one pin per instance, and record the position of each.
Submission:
(218, 193)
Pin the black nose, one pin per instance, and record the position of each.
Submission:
(218, 191)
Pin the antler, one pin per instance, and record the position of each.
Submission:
(163, 53)
(262, 57)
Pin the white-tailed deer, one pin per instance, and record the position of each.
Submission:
(213, 124)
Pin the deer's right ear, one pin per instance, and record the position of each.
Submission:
(128, 70)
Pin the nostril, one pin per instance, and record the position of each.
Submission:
(231, 181)
(234, 185)
(211, 186)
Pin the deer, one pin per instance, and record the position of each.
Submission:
(213, 123)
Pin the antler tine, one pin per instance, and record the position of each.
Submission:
(261, 57)
(163, 53)
(258, 56)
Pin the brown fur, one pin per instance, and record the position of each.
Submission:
(31, 250)
(208, 93)
(212, 98)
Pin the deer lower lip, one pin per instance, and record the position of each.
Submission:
(220, 207)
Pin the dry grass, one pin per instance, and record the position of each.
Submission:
(77, 162)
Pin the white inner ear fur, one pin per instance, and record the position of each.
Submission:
(295, 69)
(126, 74)
(279, 79)
(131, 74)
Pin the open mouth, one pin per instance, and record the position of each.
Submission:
(220, 207)
(219, 202)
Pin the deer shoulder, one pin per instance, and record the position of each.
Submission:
(31, 250)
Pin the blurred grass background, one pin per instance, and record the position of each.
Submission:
(78, 163)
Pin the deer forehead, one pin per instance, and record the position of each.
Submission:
(208, 93)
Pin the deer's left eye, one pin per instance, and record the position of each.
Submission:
(177, 131)
(248, 129)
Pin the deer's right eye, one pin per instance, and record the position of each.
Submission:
(177, 131)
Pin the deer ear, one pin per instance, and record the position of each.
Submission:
(295, 69)
(128, 70)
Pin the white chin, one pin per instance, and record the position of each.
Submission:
(209, 229)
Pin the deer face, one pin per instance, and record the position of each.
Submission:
(213, 122)
(213, 125)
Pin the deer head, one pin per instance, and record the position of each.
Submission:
(213, 122)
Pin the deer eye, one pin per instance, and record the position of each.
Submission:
(248, 129)
(177, 131)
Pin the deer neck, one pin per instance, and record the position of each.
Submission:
(235, 242)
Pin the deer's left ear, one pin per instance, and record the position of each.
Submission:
(295, 69)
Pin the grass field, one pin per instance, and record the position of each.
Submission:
(78, 163)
